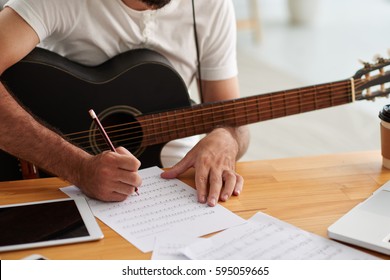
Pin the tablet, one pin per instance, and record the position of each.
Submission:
(47, 223)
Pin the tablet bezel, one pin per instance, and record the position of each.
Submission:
(86, 214)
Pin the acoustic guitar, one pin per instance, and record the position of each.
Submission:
(143, 102)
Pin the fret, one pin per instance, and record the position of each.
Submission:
(227, 116)
(192, 122)
(321, 99)
(180, 123)
(169, 123)
(265, 107)
(313, 98)
(293, 103)
(324, 97)
(316, 105)
(303, 101)
(217, 115)
(203, 120)
(162, 128)
(210, 123)
(300, 102)
(148, 130)
(185, 123)
(172, 124)
(276, 104)
(271, 105)
(331, 95)
(252, 110)
(241, 114)
(234, 120)
(247, 110)
(284, 103)
(258, 113)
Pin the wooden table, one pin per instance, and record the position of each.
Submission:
(310, 193)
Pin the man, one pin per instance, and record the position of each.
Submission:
(92, 31)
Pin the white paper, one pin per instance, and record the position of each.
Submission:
(265, 237)
(168, 246)
(162, 205)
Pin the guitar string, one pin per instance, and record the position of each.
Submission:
(284, 98)
(318, 102)
(138, 142)
(158, 132)
(245, 100)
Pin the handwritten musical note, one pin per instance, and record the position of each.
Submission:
(162, 206)
(264, 237)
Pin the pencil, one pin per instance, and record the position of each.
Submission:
(105, 135)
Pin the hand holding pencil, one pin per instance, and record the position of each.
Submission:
(127, 172)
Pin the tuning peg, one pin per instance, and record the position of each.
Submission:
(365, 64)
(378, 59)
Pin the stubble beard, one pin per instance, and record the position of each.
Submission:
(156, 4)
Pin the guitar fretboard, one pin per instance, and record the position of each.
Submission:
(199, 119)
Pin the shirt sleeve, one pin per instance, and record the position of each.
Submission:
(46, 16)
(218, 56)
(29, 13)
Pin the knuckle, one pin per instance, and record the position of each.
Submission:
(215, 180)
(203, 179)
(104, 172)
(137, 163)
(228, 175)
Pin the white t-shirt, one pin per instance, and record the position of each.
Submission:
(93, 31)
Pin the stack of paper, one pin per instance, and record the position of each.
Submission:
(167, 219)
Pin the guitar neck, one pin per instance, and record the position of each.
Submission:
(203, 118)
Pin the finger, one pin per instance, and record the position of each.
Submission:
(177, 169)
(127, 160)
(230, 181)
(201, 182)
(124, 189)
(107, 195)
(115, 196)
(239, 185)
(129, 178)
(215, 181)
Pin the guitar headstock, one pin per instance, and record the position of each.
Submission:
(373, 80)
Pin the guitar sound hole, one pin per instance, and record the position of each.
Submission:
(122, 128)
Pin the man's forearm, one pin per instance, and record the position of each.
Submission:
(24, 137)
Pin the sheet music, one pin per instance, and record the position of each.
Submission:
(264, 237)
(162, 205)
(168, 246)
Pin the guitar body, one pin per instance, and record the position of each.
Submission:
(61, 92)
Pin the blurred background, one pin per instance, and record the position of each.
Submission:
(285, 44)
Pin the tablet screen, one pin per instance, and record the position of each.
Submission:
(46, 223)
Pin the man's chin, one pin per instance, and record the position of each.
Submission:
(156, 4)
